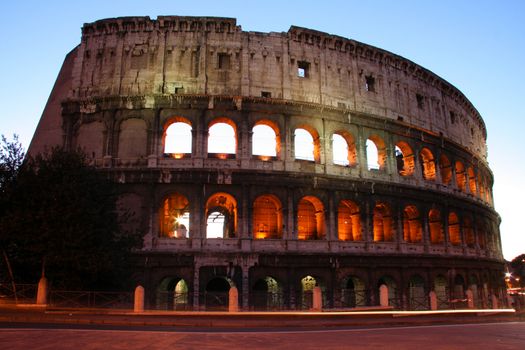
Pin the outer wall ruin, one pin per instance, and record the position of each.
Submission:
(419, 218)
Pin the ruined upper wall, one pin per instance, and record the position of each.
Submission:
(213, 56)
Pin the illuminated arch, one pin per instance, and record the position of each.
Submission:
(454, 229)
(343, 149)
(267, 217)
(472, 181)
(266, 140)
(382, 222)
(412, 231)
(348, 221)
(375, 153)
(435, 226)
(177, 137)
(404, 159)
(461, 177)
(468, 231)
(174, 216)
(221, 216)
(222, 137)
(428, 165)
(310, 219)
(307, 144)
(445, 169)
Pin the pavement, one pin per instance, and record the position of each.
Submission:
(12, 315)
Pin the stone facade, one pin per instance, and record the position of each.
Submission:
(420, 219)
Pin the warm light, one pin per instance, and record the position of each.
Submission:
(222, 156)
(178, 155)
(508, 274)
(264, 158)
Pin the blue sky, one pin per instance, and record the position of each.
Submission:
(478, 46)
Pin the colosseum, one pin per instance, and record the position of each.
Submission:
(276, 162)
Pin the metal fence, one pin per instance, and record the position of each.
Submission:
(20, 293)
(89, 299)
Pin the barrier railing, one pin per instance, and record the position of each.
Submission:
(89, 299)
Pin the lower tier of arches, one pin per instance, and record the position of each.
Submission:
(286, 282)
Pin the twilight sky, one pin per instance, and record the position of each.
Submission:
(478, 46)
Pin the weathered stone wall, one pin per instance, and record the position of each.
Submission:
(213, 56)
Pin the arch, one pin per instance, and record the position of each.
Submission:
(174, 216)
(375, 153)
(404, 159)
(482, 186)
(417, 297)
(307, 144)
(461, 177)
(472, 181)
(267, 294)
(453, 229)
(435, 226)
(221, 216)
(307, 286)
(348, 221)
(217, 293)
(310, 219)
(388, 281)
(445, 169)
(441, 290)
(468, 231)
(428, 166)
(382, 222)
(177, 137)
(132, 141)
(459, 287)
(172, 294)
(412, 231)
(90, 139)
(481, 229)
(222, 137)
(354, 292)
(266, 141)
(267, 217)
(343, 149)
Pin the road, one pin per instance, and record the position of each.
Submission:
(509, 335)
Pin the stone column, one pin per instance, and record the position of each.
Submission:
(433, 300)
(233, 300)
(138, 305)
(317, 303)
(41, 296)
(383, 295)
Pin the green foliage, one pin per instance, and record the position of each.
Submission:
(11, 158)
(62, 216)
(518, 268)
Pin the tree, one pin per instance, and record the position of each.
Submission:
(62, 220)
(11, 159)
(518, 269)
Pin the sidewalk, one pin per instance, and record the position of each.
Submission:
(20, 314)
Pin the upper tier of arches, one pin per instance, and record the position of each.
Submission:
(291, 144)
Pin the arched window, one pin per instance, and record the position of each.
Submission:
(306, 144)
(267, 217)
(412, 231)
(428, 166)
(375, 153)
(468, 231)
(472, 181)
(445, 168)
(482, 186)
(175, 217)
(222, 138)
(348, 221)
(177, 138)
(435, 226)
(453, 229)
(481, 232)
(310, 219)
(265, 141)
(221, 216)
(343, 149)
(354, 292)
(404, 159)
(417, 297)
(382, 223)
(461, 178)
(441, 290)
